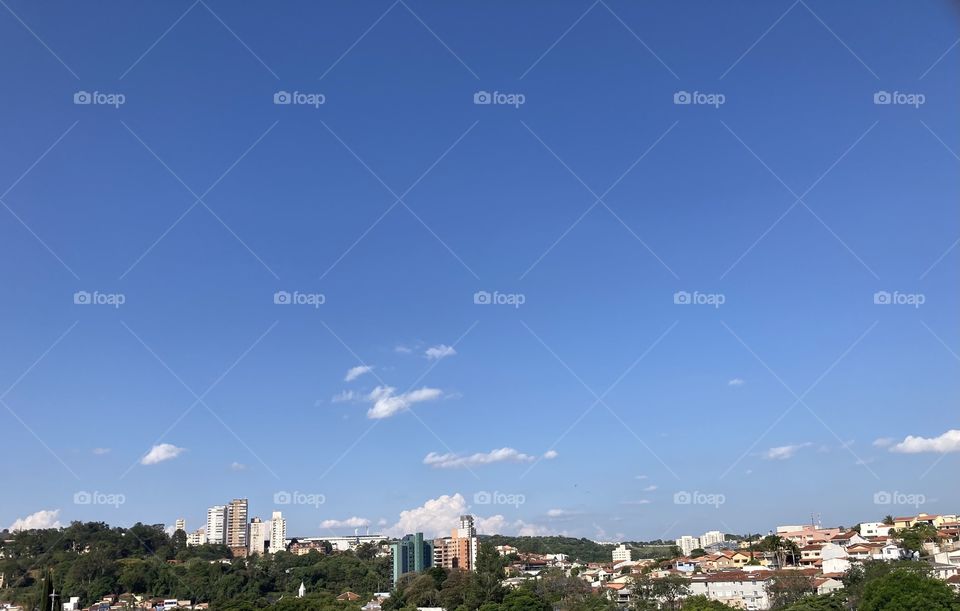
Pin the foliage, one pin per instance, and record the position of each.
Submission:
(787, 587)
(913, 538)
(906, 590)
(582, 549)
(702, 603)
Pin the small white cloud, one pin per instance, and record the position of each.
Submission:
(403, 349)
(352, 522)
(386, 402)
(641, 477)
(346, 395)
(561, 513)
(638, 502)
(101, 451)
(650, 488)
(455, 461)
(946, 443)
(45, 518)
(736, 382)
(550, 454)
(440, 351)
(160, 453)
(785, 452)
(238, 466)
(355, 372)
(884, 442)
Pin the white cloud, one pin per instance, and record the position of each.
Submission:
(639, 502)
(884, 442)
(386, 403)
(455, 461)
(45, 518)
(562, 513)
(101, 451)
(948, 442)
(352, 522)
(403, 349)
(237, 466)
(436, 517)
(346, 395)
(160, 453)
(355, 372)
(550, 454)
(650, 488)
(641, 477)
(784, 452)
(736, 382)
(440, 351)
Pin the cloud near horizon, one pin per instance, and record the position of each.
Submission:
(160, 453)
(45, 518)
(943, 444)
(437, 517)
(351, 522)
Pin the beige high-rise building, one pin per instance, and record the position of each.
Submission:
(237, 524)
(459, 550)
(259, 534)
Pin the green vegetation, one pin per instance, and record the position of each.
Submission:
(92, 560)
(583, 549)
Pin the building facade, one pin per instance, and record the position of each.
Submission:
(621, 553)
(258, 537)
(459, 550)
(217, 524)
(411, 554)
(278, 533)
(237, 524)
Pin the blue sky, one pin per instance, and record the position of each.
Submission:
(792, 199)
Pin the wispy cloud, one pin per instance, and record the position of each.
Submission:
(637, 502)
(346, 395)
(785, 452)
(550, 454)
(387, 403)
(884, 442)
(562, 513)
(736, 382)
(440, 351)
(650, 488)
(456, 461)
(101, 451)
(160, 453)
(352, 522)
(238, 466)
(943, 444)
(355, 372)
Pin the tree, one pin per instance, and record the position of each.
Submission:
(888, 520)
(787, 587)
(783, 548)
(913, 538)
(702, 603)
(523, 599)
(696, 553)
(907, 590)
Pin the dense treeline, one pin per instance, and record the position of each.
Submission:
(582, 549)
(92, 560)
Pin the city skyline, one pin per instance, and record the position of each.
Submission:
(613, 270)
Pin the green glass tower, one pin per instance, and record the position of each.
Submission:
(411, 554)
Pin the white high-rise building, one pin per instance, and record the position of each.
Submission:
(278, 533)
(197, 537)
(621, 553)
(180, 524)
(217, 524)
(687, 544)
(711, 537)
(259, 533)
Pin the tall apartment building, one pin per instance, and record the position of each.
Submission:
(197, 537)
(180, 524)
(237, 524)
(411, 554)
(217, 524)
(687, 544)
(278, 533)
(711, 537)
(459, 550)
(622, 554)
(259, 535)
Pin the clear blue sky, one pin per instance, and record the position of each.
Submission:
(774, 401)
